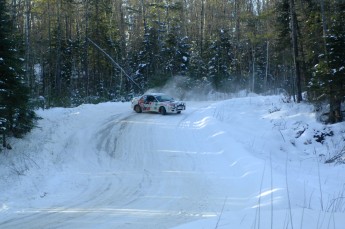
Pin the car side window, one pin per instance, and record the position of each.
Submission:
(150, 98)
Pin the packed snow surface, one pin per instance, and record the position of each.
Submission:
(252, 162)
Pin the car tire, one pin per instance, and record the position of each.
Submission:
(137, 109)
(162, 110)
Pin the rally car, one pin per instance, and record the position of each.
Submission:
(157, 102)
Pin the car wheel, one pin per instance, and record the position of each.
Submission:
(162, 110)
(137, 109)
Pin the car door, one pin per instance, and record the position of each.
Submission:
(150, 103)
(142, 101)
(154, 104)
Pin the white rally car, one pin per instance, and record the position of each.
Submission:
(157, 102)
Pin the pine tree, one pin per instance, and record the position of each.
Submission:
(175, 53)
(16, 118)
(329, 70)
(149, 72)
(220, 59)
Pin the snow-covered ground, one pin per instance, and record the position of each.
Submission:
(250, 162)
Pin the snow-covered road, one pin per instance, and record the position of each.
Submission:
(104, 166)
(127, 170)
(173, 170)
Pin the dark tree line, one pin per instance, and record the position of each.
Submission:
(231, 45)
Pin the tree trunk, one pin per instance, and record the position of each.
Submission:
(253, 68)
(202, 25)
(335, 114)
(58, 52)
(28, 77)
(267, 65)
(48, 79)
(4, 143)
(293, 20)
(324, 24)
(86, 48)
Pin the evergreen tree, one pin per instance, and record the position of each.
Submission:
(197, 69)
(149, 71)
(220, 60)
(329, 72)
(16, 117)
(175, 53)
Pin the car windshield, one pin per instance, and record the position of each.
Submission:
(164, 98)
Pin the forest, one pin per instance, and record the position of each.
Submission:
(63, 53)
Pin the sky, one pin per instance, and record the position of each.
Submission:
(245, 161)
